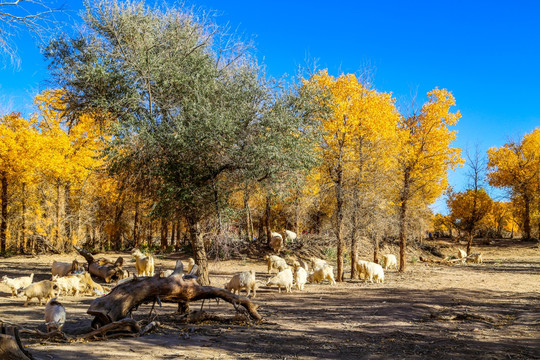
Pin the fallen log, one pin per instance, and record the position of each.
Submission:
(124, 298)
(10, 345)
(463, 260)
(121, 328)
(448, 261)
(103, 268)
(435, 261)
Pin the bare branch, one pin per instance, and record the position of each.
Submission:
(17, 17)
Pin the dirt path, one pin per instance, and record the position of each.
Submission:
(474, 311)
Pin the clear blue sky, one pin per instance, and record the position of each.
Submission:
(486, 52)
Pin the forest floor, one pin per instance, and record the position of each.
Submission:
(473, 311)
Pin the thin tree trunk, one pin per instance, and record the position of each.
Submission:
(164, 234)
(339, 218)
(354, 235)
(469, 242)
(249, 233)
(57, 225)
(376, 249)
(260, 230)
(117, 240)
(173, 233)
(136, 237)
(251, 228)
(67, 215)
(297, 213)
(402, 221)
(268, 220)
(538, 235)
(218, 210)
(527, 220)
(178, 233)
(23, 218)
(3, 222)
(199, 252)
(149, 233)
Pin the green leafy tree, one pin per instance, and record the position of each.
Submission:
(194, 115)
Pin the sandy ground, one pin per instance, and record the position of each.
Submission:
(488, 311)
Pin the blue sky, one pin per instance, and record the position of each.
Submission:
(486, 52)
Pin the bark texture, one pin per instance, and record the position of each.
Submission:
(121, 301)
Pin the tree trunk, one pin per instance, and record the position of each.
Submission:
(218, 210)
(199, 252)
(178, 233)
(260, 230)
(164, 234)
(469, 242)
(249, 225)
(123, 299)
(376, 249)
(104, 269)
(117, 240)
(527, 219)
(354, 233)
(67, 215)
(173, 233)
(23, 219)
(297, 213)
(136, 238)
(339, 218)
(57, 225)
(268, 226)
(149, 233)
(3, 222)
(538, 235)
(10, 345)
(402, 221)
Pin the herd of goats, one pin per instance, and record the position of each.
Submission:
(73, 279)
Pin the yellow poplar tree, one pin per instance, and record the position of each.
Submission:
(425, 156)
(499, 218)
(19, 150)
(516, 166)
(359, 117)
(72, 150)
(468, 209)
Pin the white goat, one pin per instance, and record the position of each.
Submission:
(300, 277)
(243, 280)
(89, 286)
(276, 242)
(17, 283)
(275, 262)
(69, 285)
(282, 279)
(41, 290)
(390, 260)
(320, 274)
(290, 235)
(360, 268)
(475, 258)
(373, 271)
(462, 254)
(317, 263)
(55, 315)
(144, 264)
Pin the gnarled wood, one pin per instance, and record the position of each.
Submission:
(121, 328)
(103, 268)
(124, 298)
(10, 345)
